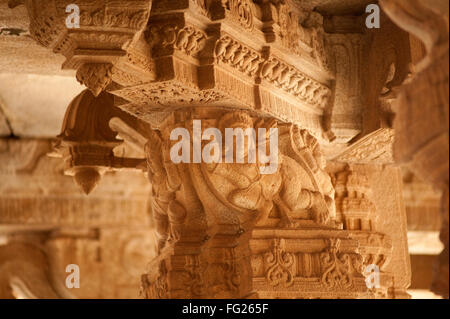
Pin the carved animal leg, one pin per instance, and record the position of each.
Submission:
(264, 212)
(286, 220)
(248, 198)
(320, 211)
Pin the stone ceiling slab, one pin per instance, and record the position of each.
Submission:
(31, 108)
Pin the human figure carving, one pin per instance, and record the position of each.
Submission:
(168, 214)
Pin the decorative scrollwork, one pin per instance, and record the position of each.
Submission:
(339, 267)
(188, 39)
(238, 56)
(242, 11)
(280, 265)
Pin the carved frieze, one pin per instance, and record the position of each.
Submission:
(182, 59)
(315, 264)
(241, 11)
(164, 37)
(294, 82)
(279, 263)
(238, 56)
(339, 267)
(373, 148)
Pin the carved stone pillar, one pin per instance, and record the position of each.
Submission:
(226, 230)
(370, 206)
(422, 110)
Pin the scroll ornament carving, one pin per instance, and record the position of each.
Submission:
(242, 11)
(294, 82)
(238, 56)
(189, 40)
(339, 267)
(232, 275)
(301, 32)
(118, 18)
(160, 96)
(47, 17)
(198, 274)
(375, 148)
(248, 61)
(280, 265)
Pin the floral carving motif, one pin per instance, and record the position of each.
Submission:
(374, 148)
(242, 11)
(238, 56)
(280, 265)
(339, 267)
(294, 82)
(166, 94)
(117, 18)
(188, 39)
(96, 76)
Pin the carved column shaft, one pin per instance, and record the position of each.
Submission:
(421, 122)
(226, 230)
